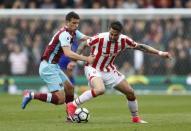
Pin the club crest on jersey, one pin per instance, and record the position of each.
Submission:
(61, 85)
(68, 38)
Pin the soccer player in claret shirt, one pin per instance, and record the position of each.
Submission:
(49, 69)
(102, 72)
(65, 62)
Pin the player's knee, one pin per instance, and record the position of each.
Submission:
(61, 101)
(131, 96)
(99, 91)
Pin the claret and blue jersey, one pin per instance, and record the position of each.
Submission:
(62, 38)
(64, 60)
(49, 69)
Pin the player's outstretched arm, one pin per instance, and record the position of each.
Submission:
(149, 49)
(85, 38)
(69, 53)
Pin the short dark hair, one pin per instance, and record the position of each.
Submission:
(71, 15)
(116, 25)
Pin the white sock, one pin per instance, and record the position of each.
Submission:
(32, 94)
(49, 97)
(133, 107)
(87, 95)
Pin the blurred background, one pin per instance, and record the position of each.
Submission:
(29, 27)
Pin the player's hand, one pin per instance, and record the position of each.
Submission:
(71, 65)
(165, 54)
(90, 59)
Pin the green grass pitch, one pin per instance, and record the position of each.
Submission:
(108, 113)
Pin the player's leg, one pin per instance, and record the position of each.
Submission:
(69, 87)
(55, 97)
(69, 73)
(97, 88)
(69, 97)
(128, 91)
(69, 92)
(51, 75)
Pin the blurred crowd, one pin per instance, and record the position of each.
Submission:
(95, 4)
(23, 40)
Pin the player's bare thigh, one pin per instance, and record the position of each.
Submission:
(98, 85)
(95, 80)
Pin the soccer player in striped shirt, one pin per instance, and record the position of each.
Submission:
(49, 69)
(102, 73)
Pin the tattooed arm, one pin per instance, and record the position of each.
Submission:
(149, 49)
(146, 48)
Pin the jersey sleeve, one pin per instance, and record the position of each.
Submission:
(93, 40)
(79, 35)
(130, 43)
(65, 39)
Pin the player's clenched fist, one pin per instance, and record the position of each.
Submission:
(165, 54)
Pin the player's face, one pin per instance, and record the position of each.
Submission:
(113, 35)
(73, 24)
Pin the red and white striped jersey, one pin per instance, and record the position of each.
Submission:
(106, 51)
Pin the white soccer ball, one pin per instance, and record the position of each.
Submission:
(81, 115)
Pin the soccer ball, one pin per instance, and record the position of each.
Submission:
(81, 115)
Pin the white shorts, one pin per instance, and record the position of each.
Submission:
(110, 79)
